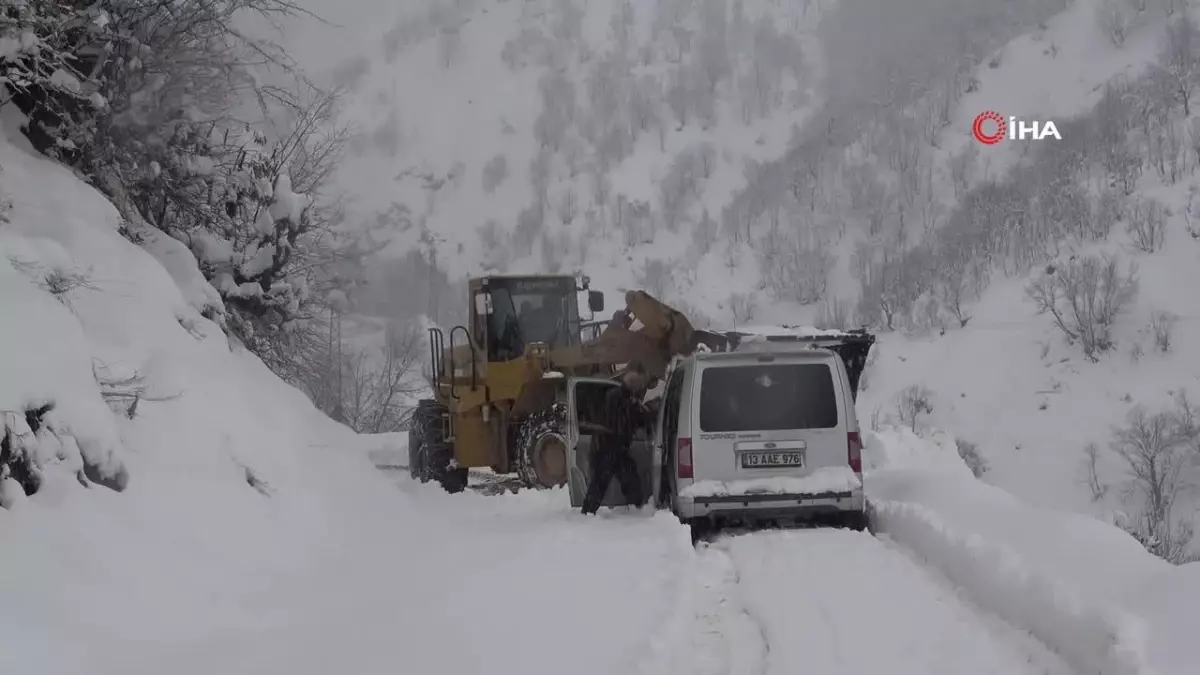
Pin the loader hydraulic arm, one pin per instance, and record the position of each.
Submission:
(665, 333)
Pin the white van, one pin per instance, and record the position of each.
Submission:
(766, 432)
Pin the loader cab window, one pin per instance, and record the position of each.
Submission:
(531, 310)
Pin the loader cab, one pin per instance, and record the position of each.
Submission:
(510, 312)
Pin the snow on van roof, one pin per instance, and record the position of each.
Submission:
(789, 331)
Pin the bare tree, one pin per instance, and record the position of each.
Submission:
(1154, 457)
(678, 190)
(833, 314)
(796, 265)
(656, 277)
(705, 233)
(1179, 61)
(1091, 457)
(1084, 296)
(380, 385)
(568, 206)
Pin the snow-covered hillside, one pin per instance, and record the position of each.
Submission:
(1008, 381)
(604, 137)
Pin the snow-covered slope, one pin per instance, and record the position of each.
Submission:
(252, 534)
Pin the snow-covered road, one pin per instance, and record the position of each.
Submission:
(841, 603)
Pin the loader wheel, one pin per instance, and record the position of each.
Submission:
(430, 457)
(542, 449)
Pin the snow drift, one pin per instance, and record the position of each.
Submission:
(251, 534)
(1083, 587)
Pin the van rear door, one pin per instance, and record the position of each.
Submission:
(775, 418)
(585, 419)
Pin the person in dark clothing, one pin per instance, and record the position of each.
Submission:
(623, 414)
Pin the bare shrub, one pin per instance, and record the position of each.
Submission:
(914, 402)
(494, 173)
(1114, 17)
(1084, 296)
(743, 306)
(655, 277)
(1162, 323)
(833, 314)
(1147, 224)
(971, 456)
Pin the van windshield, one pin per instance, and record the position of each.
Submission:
(768, 397)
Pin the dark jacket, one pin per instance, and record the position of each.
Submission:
(622, 416)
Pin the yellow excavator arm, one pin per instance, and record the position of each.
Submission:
(664, 333)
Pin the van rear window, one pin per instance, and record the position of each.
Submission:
(768, 397)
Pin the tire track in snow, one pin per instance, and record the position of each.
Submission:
(726, 639)
(841, 602)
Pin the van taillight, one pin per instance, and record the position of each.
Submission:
(683, 457)
(854, 451)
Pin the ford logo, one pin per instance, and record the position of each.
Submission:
(769, 446)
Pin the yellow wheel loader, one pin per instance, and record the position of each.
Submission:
(500, 381)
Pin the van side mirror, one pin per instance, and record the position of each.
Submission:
(483, 304)
(596, 301)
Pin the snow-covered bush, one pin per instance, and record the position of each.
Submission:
(1162, 323)
(1085, 295)
(144, 101)
(971, 457)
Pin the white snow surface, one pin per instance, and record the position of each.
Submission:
(824, 479)
(842, 602)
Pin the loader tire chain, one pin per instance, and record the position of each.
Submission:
(534, 427)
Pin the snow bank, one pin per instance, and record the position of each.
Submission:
(825, 479)
(254, 535)
(1081, 586)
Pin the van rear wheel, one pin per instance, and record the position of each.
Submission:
(855, 520)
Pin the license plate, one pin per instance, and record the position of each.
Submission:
(767, 460)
